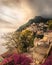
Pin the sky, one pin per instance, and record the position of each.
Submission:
(14, 13)
(42, 7)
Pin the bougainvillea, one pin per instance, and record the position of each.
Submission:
(20, 59)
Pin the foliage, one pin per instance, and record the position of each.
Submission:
(17, 59)
(19, 40)
(11, 40)
(50, 24)
(26, 39)
(23, 27)
(20, 59)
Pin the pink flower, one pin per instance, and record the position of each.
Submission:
(21, 59)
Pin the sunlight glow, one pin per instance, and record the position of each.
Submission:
(15, 15)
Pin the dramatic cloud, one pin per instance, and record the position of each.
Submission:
(16, 12)
(43, 7)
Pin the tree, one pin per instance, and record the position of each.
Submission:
(26, 40)
(19, 40)
(12, 41)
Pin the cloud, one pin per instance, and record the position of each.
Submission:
(43, 7)
(8, 25)
(11, 10)
(16, 12)
(4, 22)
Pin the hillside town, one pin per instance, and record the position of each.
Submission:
(39, 52)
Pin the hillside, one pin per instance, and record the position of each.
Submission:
(34, 39)
(37, 19)
(42, 33)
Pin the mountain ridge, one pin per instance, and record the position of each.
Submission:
(36, 19)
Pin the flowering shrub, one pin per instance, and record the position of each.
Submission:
(20, 59)
(17, 59)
